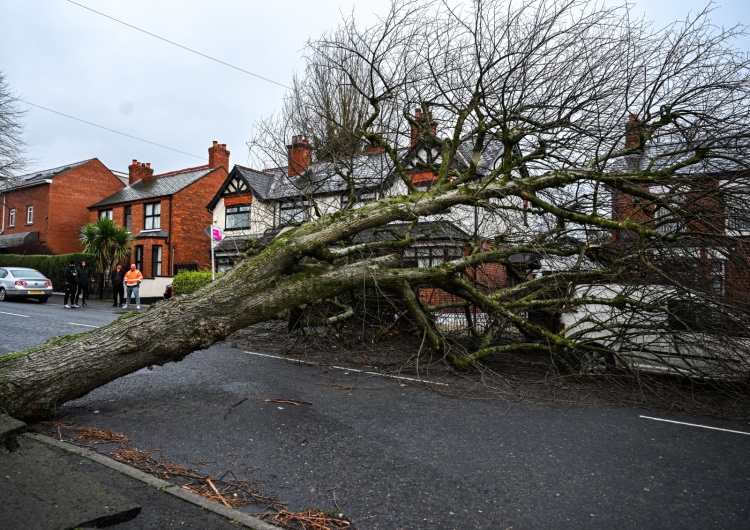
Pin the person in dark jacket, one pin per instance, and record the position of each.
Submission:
(84, 279)
(118, 287)
(71, 284)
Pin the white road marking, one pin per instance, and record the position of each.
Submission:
(84, 325)
(378, 374)
(13, 314)
(695, 425)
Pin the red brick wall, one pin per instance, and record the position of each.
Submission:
(38, 197)
(190, 217)
(60, 208)
(244, 198)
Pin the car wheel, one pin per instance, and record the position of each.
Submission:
(43, 300)
(2, 294)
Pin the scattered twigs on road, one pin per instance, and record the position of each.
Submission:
(312, 520)
(230, 409)
(231, 492)
(287, 401)
(88, 435)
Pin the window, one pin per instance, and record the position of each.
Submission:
(237, 217)
(152, 219)
(667, 221)
(139, 257)
(430, 256)
(105, 214)
(669, 216)
(156, 260)
(737, 217)
(364, 198)
(12, 217)
(717, 276)
(294, 211)
(224, 263)
(128, 218)
(29, 215)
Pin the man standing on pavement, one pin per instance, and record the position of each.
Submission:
(133, 279)
(84, 277)
(118, 286)
(71, 285)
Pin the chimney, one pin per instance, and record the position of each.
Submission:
(300, 155)
(139, 171)
(633, 130)
(418, 130)
(218, 156)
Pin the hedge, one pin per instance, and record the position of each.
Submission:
(186, 282)
(51, 266)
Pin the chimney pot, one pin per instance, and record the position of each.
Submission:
(139, 171)
(218, 156)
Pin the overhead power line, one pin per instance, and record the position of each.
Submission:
(181, 46)
(111, 130)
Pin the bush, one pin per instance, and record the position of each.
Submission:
(51, 266)
(186, 282)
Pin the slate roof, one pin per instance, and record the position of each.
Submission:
(659, 156)
(428, 230)
(159, 186)
(38, 177)
(368, 172)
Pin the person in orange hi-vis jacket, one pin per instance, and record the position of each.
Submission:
(133, 279)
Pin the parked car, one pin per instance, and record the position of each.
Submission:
(22, 282)
(168, 292)
(657, 330)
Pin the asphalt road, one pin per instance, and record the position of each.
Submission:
(394, 454)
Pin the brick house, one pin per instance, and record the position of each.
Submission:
(253, 205)
(166, 215)
(43, 211)
(703, 214)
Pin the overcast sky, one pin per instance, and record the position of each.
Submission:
(58, 55)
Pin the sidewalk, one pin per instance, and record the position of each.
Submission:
(48, 484)
(105, 304)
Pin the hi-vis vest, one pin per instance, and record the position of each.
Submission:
(132, 277)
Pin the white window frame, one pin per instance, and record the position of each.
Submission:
(30, 215)
(153, 217)
(12, 217)
(105, 213)
(294, 211)
(156, 260)
(235, 212)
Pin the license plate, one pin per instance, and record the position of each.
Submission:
(36, 292)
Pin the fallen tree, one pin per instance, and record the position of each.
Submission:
(524, 133)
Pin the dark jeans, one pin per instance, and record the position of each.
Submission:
(118, 294)
(71, 290)
(83, 292)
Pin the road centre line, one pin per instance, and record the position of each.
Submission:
(14, 314)
(378, 374)
(84, 325)
(695, 425)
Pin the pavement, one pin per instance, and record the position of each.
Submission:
(49, 484)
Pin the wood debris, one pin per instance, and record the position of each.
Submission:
(312, 520)
(287, 401)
